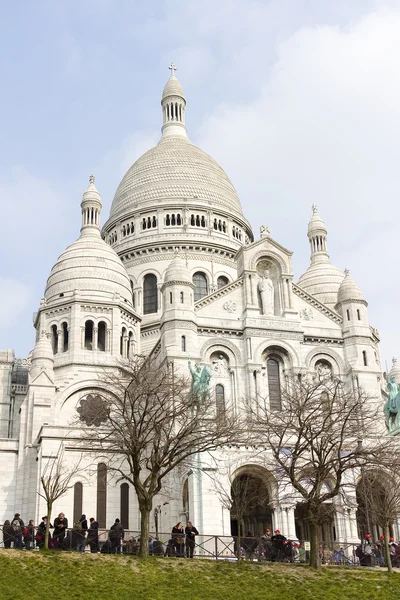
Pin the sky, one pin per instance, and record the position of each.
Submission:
(298, 100)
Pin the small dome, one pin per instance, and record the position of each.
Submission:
(177, 271)
(322, 280)
(395, 370)
(92, 267)
(315, 224)
(42, 354)
(349, 290)
(172, 88)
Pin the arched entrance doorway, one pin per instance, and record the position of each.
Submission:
(327, 529)
(250, 507)
(372, 503)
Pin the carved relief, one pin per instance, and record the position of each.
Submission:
(307, 314)
(92, 410)
(230, 306)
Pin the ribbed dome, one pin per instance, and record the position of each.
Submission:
(349, 290)
(90, 266)
(177, 271)
(322, 280)
(174, 170)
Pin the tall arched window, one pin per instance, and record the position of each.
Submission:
(101, 508)
(274, 384)
(78, 501)
(150, 294)
(89, 335)
(101, 337)
(122, 341)
(222, 281)
(220, 399)
(64, 327)
(200, 285)
(124, 505)
(54, 338)
(183, 343)
(129, 348)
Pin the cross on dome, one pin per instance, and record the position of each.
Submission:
(91, 178)
(172, 68)
(314, 208)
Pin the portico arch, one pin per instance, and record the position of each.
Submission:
(252, 491)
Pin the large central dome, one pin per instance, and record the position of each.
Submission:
(175, 170)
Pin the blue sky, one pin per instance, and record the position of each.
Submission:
(299, 101)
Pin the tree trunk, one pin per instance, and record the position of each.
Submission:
(239, 542)
(144, 530)
(387, 551)
(47, 532)
(315, 560)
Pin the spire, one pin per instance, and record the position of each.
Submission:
(91, 207)
(173, 104)
(317, 234)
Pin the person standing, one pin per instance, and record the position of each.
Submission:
(93, 535)
(190, 533)
(60, 528)
(267, 544)
(41, 532)
(18, 526)
(277, 541)
(116, 536)
(8, 534)
(178, 535)
(366, 551)
(29, 535)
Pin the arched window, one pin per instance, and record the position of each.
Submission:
(274, 384)
(220, 399)
(182, 297)
(222, 281)
(150, 294)
(129, 349)
(124, 505)
(173, 222)
(178, 220)
(365, 361)
(64, 328)
(101, 337)
(54, 339)
(89, 335)
(167, 221)
(183, 343)
(78, 501)
(201, 286)
(358, 314)
(101, 507)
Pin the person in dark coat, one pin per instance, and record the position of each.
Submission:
(249, 544)
(93, 536)
(190, 533)
(277, 541)
(18, 525)
(116, 535)
(29, 535)
(60, 527)
(178, 535)
(41, 532)
(8, 534)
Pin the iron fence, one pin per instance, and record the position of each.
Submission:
(213, 547)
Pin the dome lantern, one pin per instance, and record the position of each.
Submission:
(173, 104)
(91, 207)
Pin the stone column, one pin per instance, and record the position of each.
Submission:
(60, 340)
(254, 291)
(247, 288)
(108, 340)
(95, 338)
(82, 338)
(285, 294)
(289, 529)
(124, 345)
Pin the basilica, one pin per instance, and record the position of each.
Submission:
(176, 271)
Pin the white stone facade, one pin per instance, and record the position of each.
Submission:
(176, 271)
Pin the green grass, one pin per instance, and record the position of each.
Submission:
(56, 575)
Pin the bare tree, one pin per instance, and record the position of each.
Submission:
(154, 421)
(381, 499)
(239, 493)
(315, 442)
(56, 480)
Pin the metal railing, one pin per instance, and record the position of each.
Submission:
(214, 547)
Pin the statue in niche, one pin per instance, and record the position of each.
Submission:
(220, 366)
(323, 369)
(266, 289)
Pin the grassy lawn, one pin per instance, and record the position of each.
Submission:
(57, 575)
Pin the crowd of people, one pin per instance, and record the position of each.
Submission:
(275, 547)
